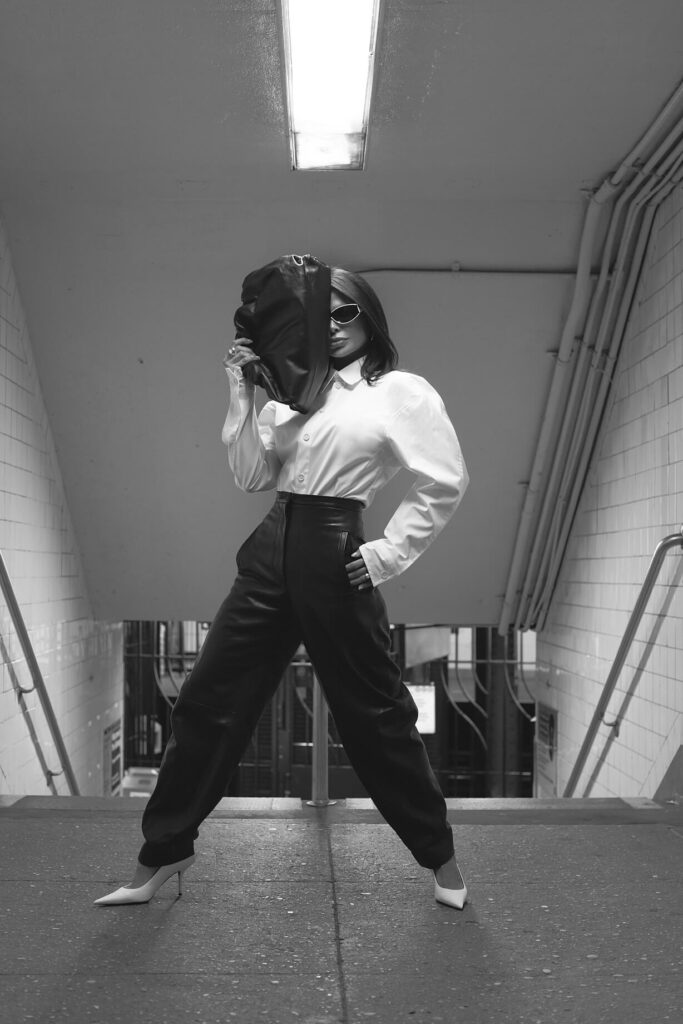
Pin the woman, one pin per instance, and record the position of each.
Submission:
(306, 573)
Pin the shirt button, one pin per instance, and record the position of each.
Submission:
(300, 476)
(306, 437)
(384, 575)
(337, 385)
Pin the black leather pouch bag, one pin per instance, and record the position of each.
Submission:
(285, 312)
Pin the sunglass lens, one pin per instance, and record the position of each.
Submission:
(345, 314)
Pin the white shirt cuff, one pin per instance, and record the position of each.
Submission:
(378, 570)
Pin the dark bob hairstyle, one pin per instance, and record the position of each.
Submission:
(382, 355)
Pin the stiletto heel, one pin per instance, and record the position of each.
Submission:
(144, 893)
(451, 897)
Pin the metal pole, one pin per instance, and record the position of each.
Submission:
(37, 677)
(636, 615)
(319, 796)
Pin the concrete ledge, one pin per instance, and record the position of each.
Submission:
(7, 801)
(572, 811)
(643, 803)
(526, 803)
(266, 803)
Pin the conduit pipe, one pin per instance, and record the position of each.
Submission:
(594, 305)
(568, 430)
(550, 429)
(458, 710)
(543, 523)
(572, 485)
(592, 405)
(468, 700)
(548, 424)
(567, 461)
(513, 695)
(649, 134)
(595, 397)
(600, 409)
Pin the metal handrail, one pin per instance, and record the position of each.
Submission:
(38, 685)
(459, 711)
(660, 551)
(320, 758)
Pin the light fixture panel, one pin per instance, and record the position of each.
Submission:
(329, 49)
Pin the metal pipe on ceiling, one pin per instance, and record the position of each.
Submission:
(600, 407)
(561, 502)
(608, 345)
(553, 404)
(564, 386)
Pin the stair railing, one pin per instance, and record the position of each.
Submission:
(40, 688)
(667, 542)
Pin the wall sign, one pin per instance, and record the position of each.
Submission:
(424, 697)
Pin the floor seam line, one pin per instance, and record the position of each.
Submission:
(337, 935)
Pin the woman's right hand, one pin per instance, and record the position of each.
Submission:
(239, 354)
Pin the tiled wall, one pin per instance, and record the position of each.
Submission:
(634, 498)
(81, 659)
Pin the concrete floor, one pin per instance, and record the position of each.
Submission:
(319, 916)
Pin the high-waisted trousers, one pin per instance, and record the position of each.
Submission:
(292, 587)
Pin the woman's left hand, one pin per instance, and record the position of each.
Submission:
(357, 571)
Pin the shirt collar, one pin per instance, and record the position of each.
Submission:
(349, 375)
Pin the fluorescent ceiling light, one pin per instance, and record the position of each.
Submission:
(330, 57)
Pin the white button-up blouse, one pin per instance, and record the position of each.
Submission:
(353, 440)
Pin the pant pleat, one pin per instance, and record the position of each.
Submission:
(292, 586)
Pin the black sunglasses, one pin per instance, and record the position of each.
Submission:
(346, 314)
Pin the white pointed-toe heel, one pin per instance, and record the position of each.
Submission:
(451, 897)
(144, 893)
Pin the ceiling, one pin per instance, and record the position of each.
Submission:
(144, 171)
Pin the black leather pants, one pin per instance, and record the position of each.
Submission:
(292, 587)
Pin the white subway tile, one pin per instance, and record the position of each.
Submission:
(635, 496)
(39, 548)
